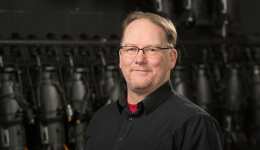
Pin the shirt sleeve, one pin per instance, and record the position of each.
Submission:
(201, 133)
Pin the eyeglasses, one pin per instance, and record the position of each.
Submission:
(132, 51)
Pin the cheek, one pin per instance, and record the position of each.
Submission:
(155, 64)
(125, 65)
(160, 67)
(158, 64)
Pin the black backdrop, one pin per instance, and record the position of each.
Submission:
(100, 20)
(95, 17)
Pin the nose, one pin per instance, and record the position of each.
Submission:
(140, 57)
(140, 50)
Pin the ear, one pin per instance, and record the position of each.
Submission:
(120, 58)
(173, 58)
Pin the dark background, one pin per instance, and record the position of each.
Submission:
(97, 17)
(26, 24)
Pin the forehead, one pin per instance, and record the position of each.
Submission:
(143, 32)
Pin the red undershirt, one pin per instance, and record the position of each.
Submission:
(132, 107)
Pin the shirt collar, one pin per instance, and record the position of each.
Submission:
(152, 101)
(122, 100)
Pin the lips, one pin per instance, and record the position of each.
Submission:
(142, 70)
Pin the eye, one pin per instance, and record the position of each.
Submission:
(131, 49)
(152, 49)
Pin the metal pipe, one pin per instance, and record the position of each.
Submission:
(58, 42)
(213, 41)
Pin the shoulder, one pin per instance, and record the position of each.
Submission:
(183, 112)
(200, 132)
(193, 122)
(182, 108)
(109, 109)
(102, 116)
(200, 122)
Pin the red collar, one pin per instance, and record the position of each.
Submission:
(132, 107)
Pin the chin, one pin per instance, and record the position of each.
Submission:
(140, 83)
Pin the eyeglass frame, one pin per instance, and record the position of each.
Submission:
(160, 48)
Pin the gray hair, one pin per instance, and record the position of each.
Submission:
(164, 23)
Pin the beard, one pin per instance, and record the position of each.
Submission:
(139, 81)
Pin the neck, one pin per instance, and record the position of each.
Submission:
(134, 96)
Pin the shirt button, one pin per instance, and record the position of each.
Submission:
(120, 139)
(130, 118)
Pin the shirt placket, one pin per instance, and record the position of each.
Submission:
(124, 131)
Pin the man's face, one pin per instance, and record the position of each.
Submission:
(141, 72)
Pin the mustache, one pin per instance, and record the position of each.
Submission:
(140, 68)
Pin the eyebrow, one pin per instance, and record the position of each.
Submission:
(150, 45)
(129, 44)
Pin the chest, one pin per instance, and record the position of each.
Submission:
(138, 132)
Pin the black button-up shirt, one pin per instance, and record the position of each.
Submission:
(163, 121)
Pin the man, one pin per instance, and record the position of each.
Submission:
(149, 115)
